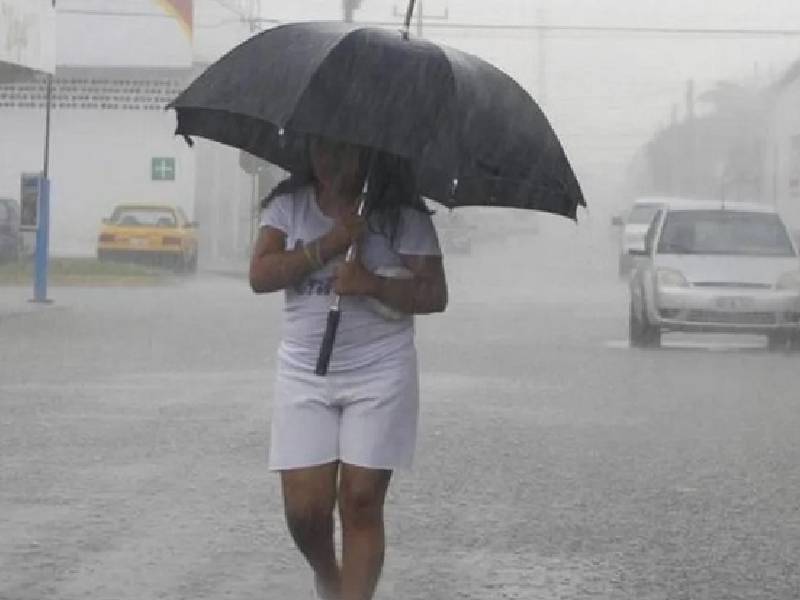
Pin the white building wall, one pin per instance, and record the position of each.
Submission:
(98, 158)
(105, 132)
(223, 201)
(27, 38)
(110, 33)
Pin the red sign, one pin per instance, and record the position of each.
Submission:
(182, 10)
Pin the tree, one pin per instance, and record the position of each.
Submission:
(718, 154)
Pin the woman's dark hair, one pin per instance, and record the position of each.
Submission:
(294, 182)
(392, 185)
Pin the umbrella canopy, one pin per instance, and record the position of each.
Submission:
(473, 135)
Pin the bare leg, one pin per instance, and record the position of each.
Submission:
(361, 496)
(309, 496)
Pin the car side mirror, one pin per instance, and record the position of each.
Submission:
(639, 250)
(617, 221)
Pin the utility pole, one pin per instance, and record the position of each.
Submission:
(690, 100)
(348, 8)
(255, 15)
(422, 16)
(691, 175)
(541, 94)
(248, 11)
(42, 251)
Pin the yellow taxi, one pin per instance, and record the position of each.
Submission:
(152, 234)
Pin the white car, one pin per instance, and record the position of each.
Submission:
(716, 267)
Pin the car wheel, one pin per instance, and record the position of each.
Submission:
(622, 267)
(778, 340)
(635, 336)
(191, 266)
(794, 341)
(179, 264)
(652, 335)
(641, 333)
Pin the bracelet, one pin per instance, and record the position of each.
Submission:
(310, 258)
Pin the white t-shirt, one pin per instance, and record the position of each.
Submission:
(363, 337)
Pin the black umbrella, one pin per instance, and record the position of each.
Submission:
(472, 134)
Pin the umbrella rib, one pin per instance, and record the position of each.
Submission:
(302, 88)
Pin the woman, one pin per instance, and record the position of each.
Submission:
(338, 438)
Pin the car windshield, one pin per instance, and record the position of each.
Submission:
(642, 214)
(144, 217)
(724, 232)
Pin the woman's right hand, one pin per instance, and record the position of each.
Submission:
(346, 231)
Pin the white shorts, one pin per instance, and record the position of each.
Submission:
(366, 418)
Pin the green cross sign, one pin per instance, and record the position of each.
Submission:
(162, 169)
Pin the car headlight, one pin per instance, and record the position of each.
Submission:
(670, 278)
(789, 281)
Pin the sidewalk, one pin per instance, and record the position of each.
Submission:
(15, 301)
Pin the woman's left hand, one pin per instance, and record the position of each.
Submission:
(353, 279)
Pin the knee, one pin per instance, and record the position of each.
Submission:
(309, 523)
(360, 506)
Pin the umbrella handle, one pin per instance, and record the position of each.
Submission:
(334, 314)
(325, 349)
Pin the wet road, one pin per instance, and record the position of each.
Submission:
(554, 462)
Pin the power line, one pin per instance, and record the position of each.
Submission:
(240, 16)
(217, 24)
(700, 31)
(108, 13)
(228, 6)
(224, 22)
(248, 18)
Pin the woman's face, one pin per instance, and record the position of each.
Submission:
(337, 166)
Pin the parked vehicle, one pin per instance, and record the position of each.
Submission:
(634, 228)
(10, 235)
(709, 267)
(158, 235)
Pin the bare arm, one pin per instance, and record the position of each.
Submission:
(424, 293)
(273, 267)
